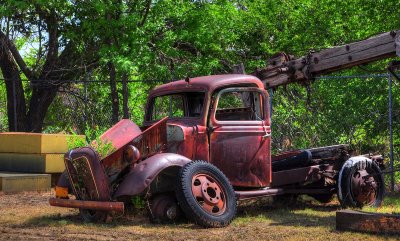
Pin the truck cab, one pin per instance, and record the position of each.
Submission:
(222, 119)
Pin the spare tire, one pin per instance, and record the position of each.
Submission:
(206, 195)
(360, 183)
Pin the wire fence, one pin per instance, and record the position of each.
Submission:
(84, 105)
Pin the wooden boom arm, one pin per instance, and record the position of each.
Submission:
(283, 69)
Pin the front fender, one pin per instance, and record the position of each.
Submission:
(142, 175)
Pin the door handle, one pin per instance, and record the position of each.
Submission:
(266, 135)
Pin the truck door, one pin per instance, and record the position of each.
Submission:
(240, 136)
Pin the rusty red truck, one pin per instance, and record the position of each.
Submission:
(205, 145)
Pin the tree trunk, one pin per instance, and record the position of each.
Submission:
(114, 93)
(16, 107)
(125, 96)
(39, 104)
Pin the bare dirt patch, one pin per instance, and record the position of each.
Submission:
(27, 216)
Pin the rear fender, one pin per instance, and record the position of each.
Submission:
(143, 174)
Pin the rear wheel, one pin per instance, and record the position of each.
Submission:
(163, 208)
(205, 195)
(360, 183)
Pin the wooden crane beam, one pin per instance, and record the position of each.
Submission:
(283, 69)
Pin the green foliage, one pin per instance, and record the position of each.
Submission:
(102, 147)
(138, 202)
(74, 141)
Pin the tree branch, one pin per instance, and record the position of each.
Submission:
(17, 56)
(146, 13)
(52, 52)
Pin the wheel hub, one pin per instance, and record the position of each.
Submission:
(171, 212)
(363, 187)
(211, 193)
(208, 194)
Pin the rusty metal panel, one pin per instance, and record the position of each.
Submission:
(208, 83)
(149, 142)
(86, 174)
(241, 149)
(265, 192)
(201, 144)
(141, 176)
(90, 205)
(243, 156)
(186, 137)
(153, 140)
(121, 133)
(299, 175)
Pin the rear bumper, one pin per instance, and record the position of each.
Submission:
(91, 205)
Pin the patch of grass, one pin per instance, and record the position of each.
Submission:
(260, 220)
(391, 204)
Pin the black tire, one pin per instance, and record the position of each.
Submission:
(360, 183)
(201, 176)
(164, 208)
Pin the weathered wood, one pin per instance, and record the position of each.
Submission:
(349, 220)
(284, 69)
(329, 151)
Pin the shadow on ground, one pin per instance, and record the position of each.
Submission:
(262, 210)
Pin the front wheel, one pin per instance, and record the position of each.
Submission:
(206, 195)
(360, 183)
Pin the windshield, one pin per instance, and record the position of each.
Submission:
(178, 105)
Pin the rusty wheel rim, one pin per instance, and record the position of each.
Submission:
(164, 207)
(364, 187)
(209, 194)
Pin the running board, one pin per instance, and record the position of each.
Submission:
(266, 192)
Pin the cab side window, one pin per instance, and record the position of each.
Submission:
(167, 105)
(239, 106)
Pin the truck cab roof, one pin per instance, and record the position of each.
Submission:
(208, 83)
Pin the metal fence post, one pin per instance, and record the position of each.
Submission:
(86, 100)
(391, 135)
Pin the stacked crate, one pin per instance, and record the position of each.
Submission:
(29, 160)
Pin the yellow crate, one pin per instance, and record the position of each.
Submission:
(32, 163)
(13, 182)
(22, 142)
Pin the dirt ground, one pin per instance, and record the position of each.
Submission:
(28, 216)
